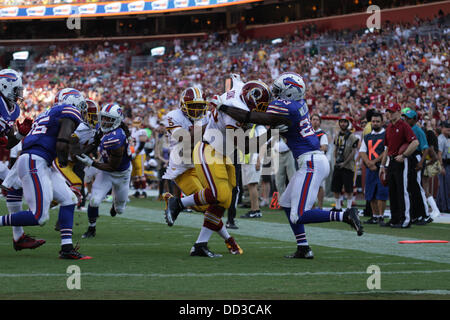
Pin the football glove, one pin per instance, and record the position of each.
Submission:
(85, 159)
(25, 126)
(282, 128)
(216, 102)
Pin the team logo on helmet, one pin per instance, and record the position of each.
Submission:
(289, 82)
(67, 94)
(10, 77)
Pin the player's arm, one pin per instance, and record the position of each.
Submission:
(22, 130)
(263, 118)
(141, 143)
(67, 127)
(13, 140)
(114, 160)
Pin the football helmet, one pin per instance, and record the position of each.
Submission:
(11, 86)
(92, 113)
(289, 86)
(72, 97)
(110, 117)
(193, 103)
(256, 95)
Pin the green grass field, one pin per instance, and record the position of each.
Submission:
(137, 256)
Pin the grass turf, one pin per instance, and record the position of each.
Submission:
(144, 260)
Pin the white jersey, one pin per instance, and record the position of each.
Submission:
(85, 134)
(136, 134)
(219, 122)
(176, 120)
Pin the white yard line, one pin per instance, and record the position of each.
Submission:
(220, 274)
(316, 235)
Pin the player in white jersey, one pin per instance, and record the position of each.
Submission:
(192, 112)
(140, 138)
(214, 167)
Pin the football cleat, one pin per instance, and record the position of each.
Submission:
(113, 211)
(201, 250)
(252, 214)
(303, 252)
(351, 217)
(27, 242)
(372, 220)
(173, 208)
(90, 233)
(231, 225)
(73, 254)
(233, 247)
(136, 194)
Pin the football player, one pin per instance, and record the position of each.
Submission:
(115, 168)
(50, 138)
(302, 190)
(11, 94)
(138, 179)
(191, 112)
(215, 169)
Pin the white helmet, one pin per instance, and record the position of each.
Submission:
(289, 86)
(11, 86)
(110, 117)
(72, 97)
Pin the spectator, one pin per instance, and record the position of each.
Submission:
(344, 155)
(443, 199)
(371, 151)
(397, 134)
(250, 177)
(417, 198)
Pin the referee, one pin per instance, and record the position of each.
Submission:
(398, 133)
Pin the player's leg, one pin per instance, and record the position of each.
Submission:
(142, 179)
(313, 169)
(189, 183)
(100, 188)
(34, 175)
(120, 185)
(20, 239)
(67, 200)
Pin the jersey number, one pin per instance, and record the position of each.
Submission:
(40, 126)
(305, 128)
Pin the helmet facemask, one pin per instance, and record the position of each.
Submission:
(194, 109)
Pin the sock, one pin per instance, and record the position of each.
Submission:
(205, 234)
(338, 203)
(349, 203)
(65, 218)
(199, 198)
(336, 216)
(13, 207)
(21, 218)
(298, 229)
(432, 204)
(224, 233)
(92, 215)
(17, 233)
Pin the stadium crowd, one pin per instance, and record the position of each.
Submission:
(345, 73)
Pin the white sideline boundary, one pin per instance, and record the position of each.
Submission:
(341, 239)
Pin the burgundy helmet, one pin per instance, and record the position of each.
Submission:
(193, 103)
(256, 95)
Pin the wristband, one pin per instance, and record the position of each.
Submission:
(381, 166)
(19, 136)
